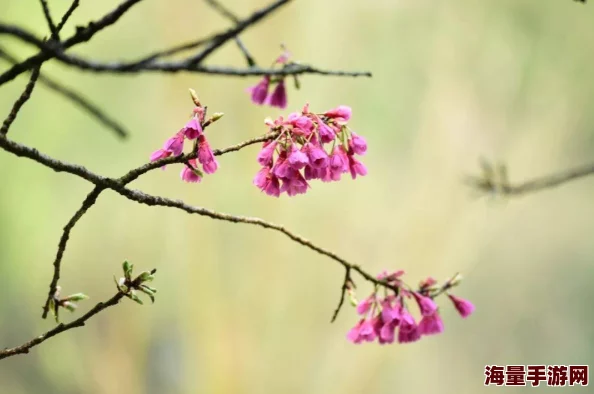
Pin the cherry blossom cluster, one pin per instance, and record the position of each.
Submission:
(193, 131)
(309, 146)
(278, 96)
(388, 318)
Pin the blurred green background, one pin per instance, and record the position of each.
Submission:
(244, 310)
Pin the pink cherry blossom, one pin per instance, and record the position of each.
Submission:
(278, 97)
(341, 113)
(265, 155)
(408, 330)
(356, 167)
(282, 167)
(317, 157)
(388, 319)
(362, 332)
(175, 144)
(431, 324)
(192, 129)
(266, 181)
(297, 159)
(426, 304)
(358, 144)
(191, 173)
(160, 154)
(327, 134)
(294, 183)
(206, 156)
(259, 92)
(311, 146)
(464, 307)
(365, 305)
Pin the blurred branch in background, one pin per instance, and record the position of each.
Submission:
(494, 180)
(229, 15)
(77, 98)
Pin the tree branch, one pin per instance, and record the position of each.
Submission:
(50, 22)
(147, 199)
(82, 34)
(60, 328)
(124, 180)
(88, 202)
(67, 14)
(20, 102)
(150, 64)
(231, 16)
(495, 181)
(77, 98)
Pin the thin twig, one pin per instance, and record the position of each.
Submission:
(222, 38)
(82, 34)
(231, 16)
(50, 22)
(20, 102)
(490, 185)
(87, 203)
(149, 64)
(77, 98)
(67, 14)
(60, 328)
(346, 286)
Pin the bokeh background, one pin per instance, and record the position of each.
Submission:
(244, 310)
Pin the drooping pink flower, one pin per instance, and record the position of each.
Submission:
(362, 332)
(327, 134)
(266, 181)
(211, 167)
(358, 144)
(192, 129)
(259, 92)
(356, 167)
(314, 173)
(365, 305)
(265, 155)
(160, 154)
(317, 157)
(339, 164)
(426, 305)
(354, 333)
(297, 159)
(390, 309)
(294, 183)
(278, 97)
(387, 332)
(191, 173)
(175, 144)
(302, 125)
(341, 114)
(408, 331)
(464, 307)
(281, 167)
(431, 324)
(206, 157)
